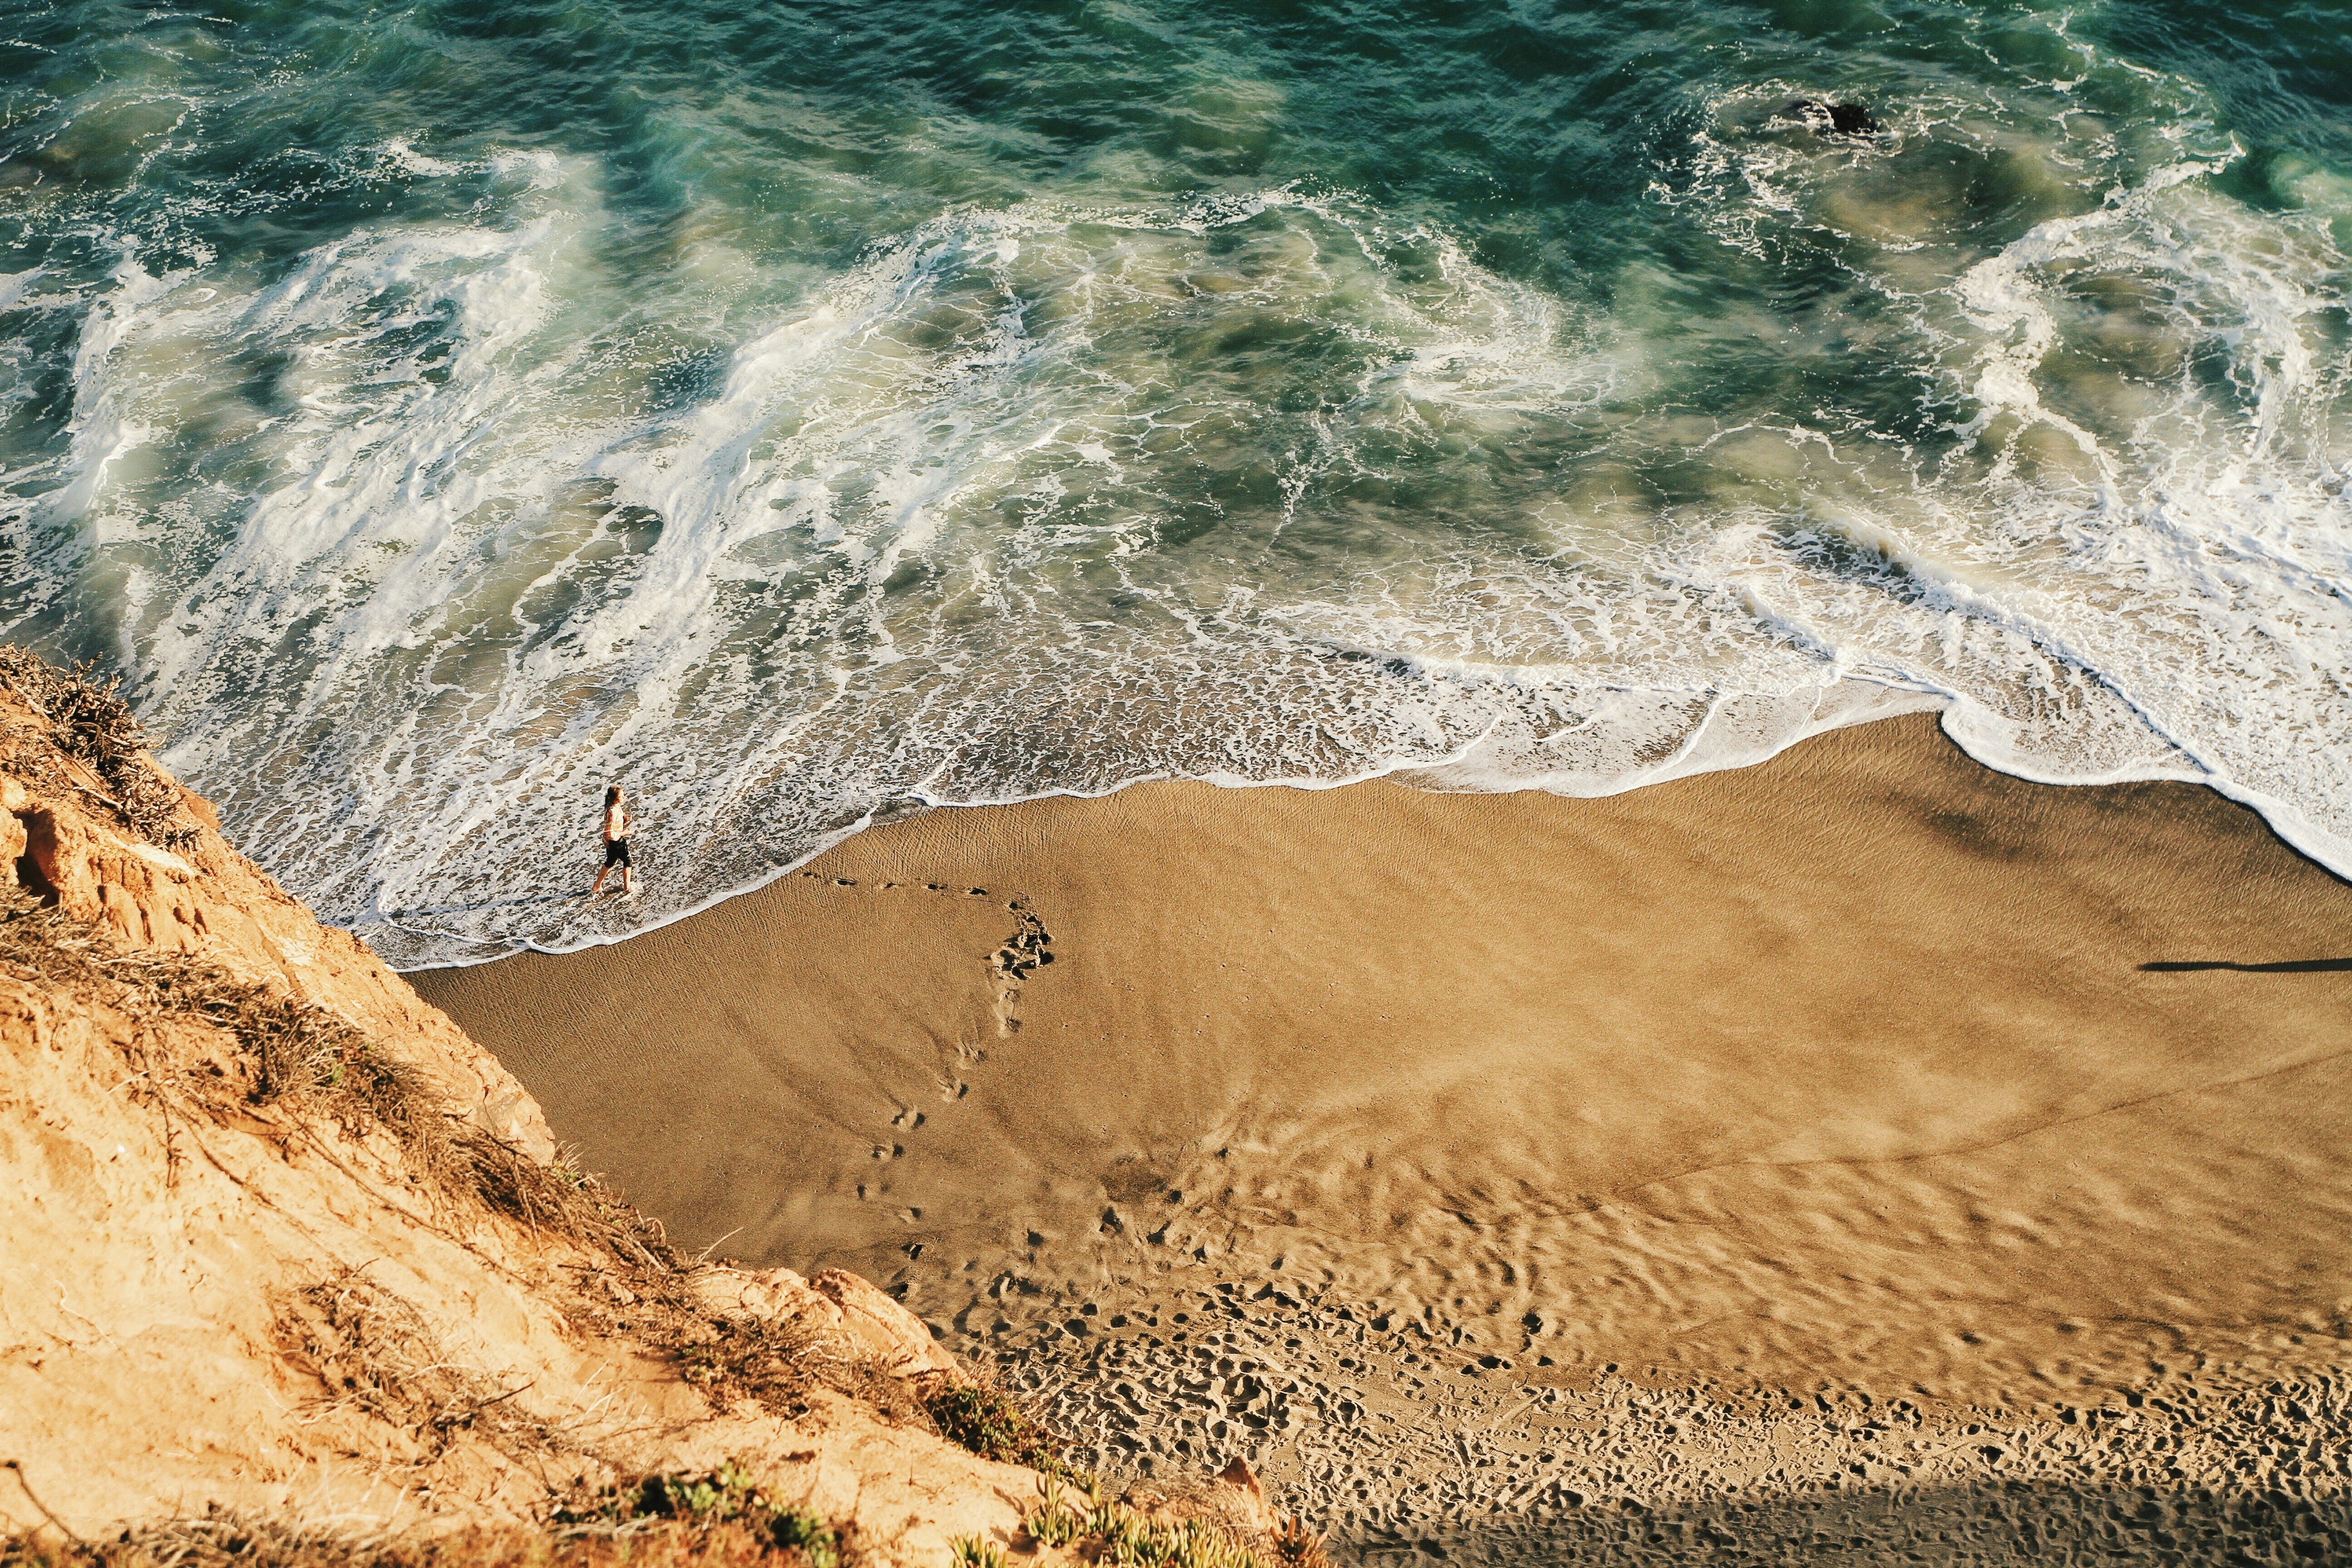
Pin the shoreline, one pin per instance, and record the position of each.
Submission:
(1864, 1072)
(1442, 777)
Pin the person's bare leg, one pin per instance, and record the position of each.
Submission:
(628, 881)
(602, 872)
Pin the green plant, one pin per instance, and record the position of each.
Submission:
(1133, 1540)
(815, 1539)
(1052, 1522)
(983, 1417)
(972, 1551)
(725, 1498)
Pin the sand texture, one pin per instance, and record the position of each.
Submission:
(1864, 1075)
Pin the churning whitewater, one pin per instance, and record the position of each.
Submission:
(449, 410)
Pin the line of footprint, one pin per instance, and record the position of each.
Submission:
(1028, 949)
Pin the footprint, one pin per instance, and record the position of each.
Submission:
(1027, 950)
(1021, 955)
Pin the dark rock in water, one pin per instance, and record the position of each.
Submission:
(1837, 118)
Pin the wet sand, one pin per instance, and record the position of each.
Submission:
(1867, 1075)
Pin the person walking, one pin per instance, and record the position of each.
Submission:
(617, 823)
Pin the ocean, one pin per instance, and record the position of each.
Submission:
(803, 413)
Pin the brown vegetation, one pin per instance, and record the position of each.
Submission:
(721, 1518)
(375, 1353)
(365, 1342)
(234, 1542)
(93, 724)
(314, 1065)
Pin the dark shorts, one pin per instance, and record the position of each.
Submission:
(616, 852)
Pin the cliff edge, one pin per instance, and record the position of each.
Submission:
(282, 1244)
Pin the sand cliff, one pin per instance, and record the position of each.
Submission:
(282, 1241)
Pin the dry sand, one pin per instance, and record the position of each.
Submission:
(1793, 1157)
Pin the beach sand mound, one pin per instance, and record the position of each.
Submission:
(289, 1261)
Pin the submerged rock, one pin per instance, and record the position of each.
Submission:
(1831, 118)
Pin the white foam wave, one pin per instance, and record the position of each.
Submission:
(426, 536)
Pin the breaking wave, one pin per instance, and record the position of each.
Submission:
(2030, 410)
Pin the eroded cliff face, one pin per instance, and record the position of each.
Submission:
(279, 1238)
(61, 841)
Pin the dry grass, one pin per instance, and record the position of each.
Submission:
(771, 1363)
(222, 1540)
(716, 1518)
(250, 1543)
(558, 1198)
(89, 721)
(376, 1355)
(311, 1063)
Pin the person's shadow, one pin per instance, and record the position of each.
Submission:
(2294, 966)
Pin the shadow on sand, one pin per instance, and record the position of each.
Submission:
(2293, 966)
(2039, 1524)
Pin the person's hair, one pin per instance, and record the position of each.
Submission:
(612, 796)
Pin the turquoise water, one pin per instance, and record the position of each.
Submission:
(799, 412)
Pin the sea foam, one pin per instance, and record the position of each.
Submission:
(423, 536)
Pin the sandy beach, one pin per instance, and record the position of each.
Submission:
(1511, 1173)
